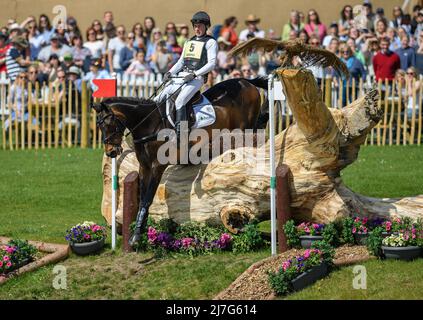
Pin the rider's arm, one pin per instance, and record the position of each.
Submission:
(212, 49)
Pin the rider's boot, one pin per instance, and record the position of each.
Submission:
(180, 116)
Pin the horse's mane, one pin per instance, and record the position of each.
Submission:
(135, 101)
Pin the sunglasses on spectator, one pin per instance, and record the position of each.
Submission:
(410, 73)
(121, 31)
(246, 70)
(22, 77)
(33, 72)
(315, 43)
(344, 52)
(62, 77)
(131, 38)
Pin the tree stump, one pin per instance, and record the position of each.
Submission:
(316, 147)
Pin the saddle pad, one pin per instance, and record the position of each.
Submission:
(204, 113)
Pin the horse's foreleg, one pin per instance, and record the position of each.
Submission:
(146, 199)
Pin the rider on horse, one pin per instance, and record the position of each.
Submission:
(198, 58)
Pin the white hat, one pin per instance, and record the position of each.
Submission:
(74, 70)
(14, 26)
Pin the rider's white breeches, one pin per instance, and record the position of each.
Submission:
(188, 90)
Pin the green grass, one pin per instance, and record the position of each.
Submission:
(44, 192)
(386, 279)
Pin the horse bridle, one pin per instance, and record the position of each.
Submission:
(120, 128)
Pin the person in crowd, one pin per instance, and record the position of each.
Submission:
(406, 53)
(236, 73)
(415, 18)
(81, 55)
(128, 53)
(252, 21)
(96, 72)
(108, 18)
(292, 35)
(294, 24)
(371, 17)
(334, 46)
(228, 31)
(356, 70)
(247, 72)
(98, 28)
(149, 26)
(225, 64)
(173, 47)
(93, 44)
(139, 67)
(397, 14)
(391, 33)
(303, 36)
(161, 58)
(114, 48)
(419, 54)
(381, 28)
(317, 71)
(35, 77)
(170, 29)
(333, 33)
(183, 35)
(54, 48)
(16, 62)
(345, 21)
(156, 37)
(412, 92)
(18, 99)
(34, 37)
(45, 28)
(385, 62)
(357, 53)
(139, 42)
(4, 46)
(15, 30)
(74, 76)
(314, 26)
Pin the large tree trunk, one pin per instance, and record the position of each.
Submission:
(316, 147)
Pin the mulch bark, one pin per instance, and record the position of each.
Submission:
(253, 283)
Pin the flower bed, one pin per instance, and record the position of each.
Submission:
(167, 237)
(306, 233)
(303, 270)
(15, 254)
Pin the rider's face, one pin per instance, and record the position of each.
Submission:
(199, 29)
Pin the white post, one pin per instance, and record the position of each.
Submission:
(114, 190)
(272, 164)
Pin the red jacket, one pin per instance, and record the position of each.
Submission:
(385, 65)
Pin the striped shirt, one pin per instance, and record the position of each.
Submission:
(13, 67)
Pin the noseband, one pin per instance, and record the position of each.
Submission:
(120, 128)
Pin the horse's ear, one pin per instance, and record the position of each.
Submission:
(98, 107)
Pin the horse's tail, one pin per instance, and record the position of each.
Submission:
(260, 82)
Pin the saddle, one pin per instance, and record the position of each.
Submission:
(199, 111)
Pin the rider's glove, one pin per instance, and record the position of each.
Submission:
(189, 77)
(167, 76)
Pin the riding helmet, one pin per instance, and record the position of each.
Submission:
(201, 17)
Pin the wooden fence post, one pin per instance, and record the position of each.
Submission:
(283, 208)
(84, 116)
(130, 206)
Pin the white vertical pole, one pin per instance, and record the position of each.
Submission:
(114, 190)
(272, 164)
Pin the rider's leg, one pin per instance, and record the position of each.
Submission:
(187, 92)
(169, 89)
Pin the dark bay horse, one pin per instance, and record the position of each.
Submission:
(237, 104)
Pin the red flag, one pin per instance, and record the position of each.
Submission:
(105, 88)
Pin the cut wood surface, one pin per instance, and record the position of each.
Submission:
(234, 187)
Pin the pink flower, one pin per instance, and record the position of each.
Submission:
(306, 229)
(1, 264)
(225, 237)
(95, 228)
(151, 234)
(354, 230)
(6, 258)
(9, 264)
(388, 225)
(365, 219)
(10, 249)
(365, 230)
(357, 219)
(307, 253)
(186, 242)
(286, 265)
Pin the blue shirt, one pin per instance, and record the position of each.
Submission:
(407, 57)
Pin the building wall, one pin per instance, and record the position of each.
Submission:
(273, 13)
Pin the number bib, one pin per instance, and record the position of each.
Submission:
(193, 49)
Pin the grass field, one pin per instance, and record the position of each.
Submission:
(44, 192)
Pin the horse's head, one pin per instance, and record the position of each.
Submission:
(112, 129)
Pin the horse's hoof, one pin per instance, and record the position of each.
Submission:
(135, 238)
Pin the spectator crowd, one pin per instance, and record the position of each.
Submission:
(379, 44)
